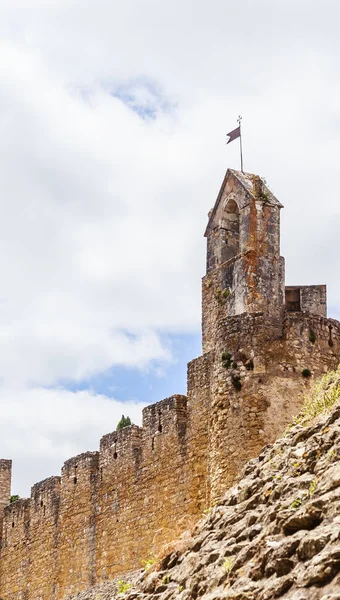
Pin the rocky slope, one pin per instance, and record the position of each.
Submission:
(276, 534)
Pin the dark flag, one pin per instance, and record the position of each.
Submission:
(233, 135)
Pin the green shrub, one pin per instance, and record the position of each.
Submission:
(222, 295)
(14, 498)
(124, 422)
(306, 373)
(226, 358)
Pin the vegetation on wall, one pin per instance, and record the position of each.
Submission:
(222, 295)
(227, 359)
(124, 422)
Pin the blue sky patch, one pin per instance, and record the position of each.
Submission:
(141, 95)
(150, 385)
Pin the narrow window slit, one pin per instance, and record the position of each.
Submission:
(330, 339)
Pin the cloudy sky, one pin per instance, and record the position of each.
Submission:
(113, 117)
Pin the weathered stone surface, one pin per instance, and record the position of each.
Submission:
(114, 508)
(5, 487)
(275, 563)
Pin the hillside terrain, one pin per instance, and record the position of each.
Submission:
(276, 534)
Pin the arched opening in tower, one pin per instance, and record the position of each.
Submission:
(231, 231)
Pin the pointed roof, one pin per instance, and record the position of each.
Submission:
(250, 182)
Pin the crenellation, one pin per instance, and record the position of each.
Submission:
(44, 512)
(121, 445)
(121, 439)
(43, 488)
(164, 415)
(81, 461)
(5, 487)
(262, 344)
(78, 503)
(15, 557)
(16, 516)
(307, 298)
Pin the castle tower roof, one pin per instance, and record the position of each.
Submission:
(252, 184)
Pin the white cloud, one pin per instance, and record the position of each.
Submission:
(103, 211)
(41, 428)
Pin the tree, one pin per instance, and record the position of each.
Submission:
(124, 422)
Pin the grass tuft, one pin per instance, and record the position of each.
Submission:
(123, 586)
(324, 393)
(228, 564)
(147, 564)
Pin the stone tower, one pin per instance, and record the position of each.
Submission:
(261, 335)
(245, 272)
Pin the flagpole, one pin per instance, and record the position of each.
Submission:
(239, 122)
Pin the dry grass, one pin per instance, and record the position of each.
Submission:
(324, 393)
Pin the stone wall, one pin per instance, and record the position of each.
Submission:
(5, 487)
(275, 534)
(143, 489)
(112, 509)
(258, 383)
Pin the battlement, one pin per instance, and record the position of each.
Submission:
(45, 499)
(5, 487)
(44, 488)
(308, 298)
(71, 516)
(262, 344)
(16, 524)
(121, 440)
(165, 415)
(5, 482)
(17, 511)
(5, 465)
